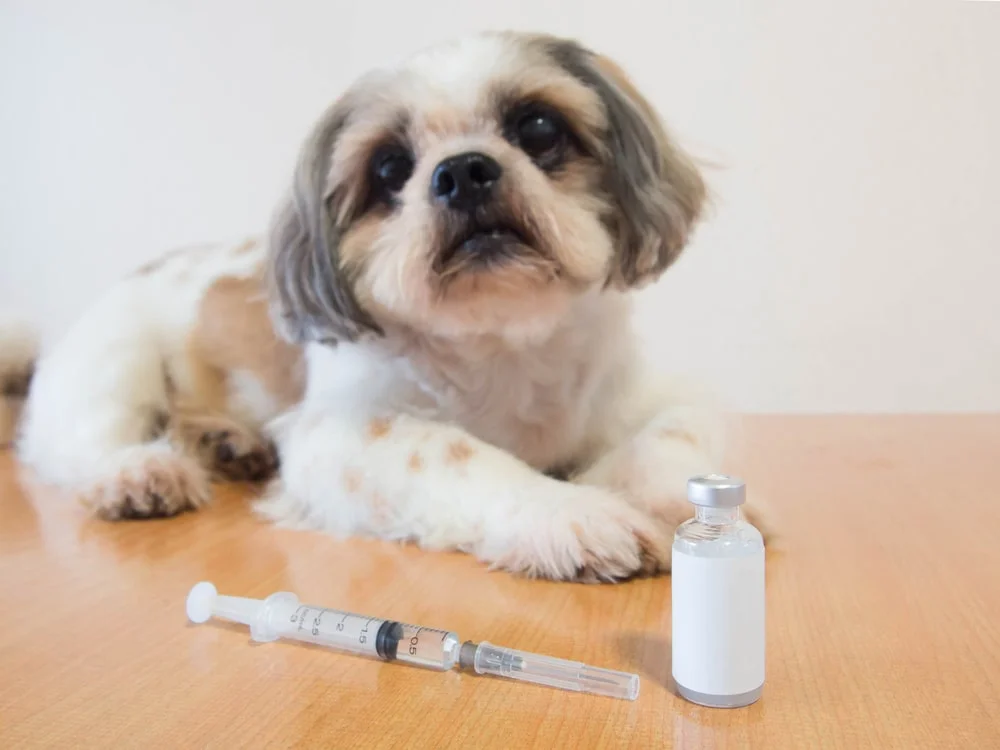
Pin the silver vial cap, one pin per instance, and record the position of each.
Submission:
(717, 491)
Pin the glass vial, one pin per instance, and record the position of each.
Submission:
(718, 598)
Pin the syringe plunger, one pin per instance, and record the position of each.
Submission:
(204, 602)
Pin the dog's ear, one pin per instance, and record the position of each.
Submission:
(311, 292)
(656, 190)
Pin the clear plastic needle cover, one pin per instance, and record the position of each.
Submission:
(548, 670)
(281, 615)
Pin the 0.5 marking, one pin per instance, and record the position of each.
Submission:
(414, 642)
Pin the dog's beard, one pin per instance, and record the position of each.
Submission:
(489, 241)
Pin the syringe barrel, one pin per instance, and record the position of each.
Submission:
(283, 616)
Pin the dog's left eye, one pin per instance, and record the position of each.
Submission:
(391, 168)
(540, 133)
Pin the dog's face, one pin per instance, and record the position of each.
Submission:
(478, 189)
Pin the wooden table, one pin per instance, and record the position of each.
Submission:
(883, 618)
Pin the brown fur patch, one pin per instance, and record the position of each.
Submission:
(654, 558)
(416, 463)
(10, 417)
(158, 263)
(580, 176)
(351, 480)
(16, 384)
(668, 434)
(154, 265)
(442, 122)
(204, 391)
(379, 427)
(234, 332)
(380, 509)
(616, 73)
(459, 451)
(244, 247)
(670, 513)
(358, 240)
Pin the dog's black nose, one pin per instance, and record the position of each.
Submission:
(465, 181)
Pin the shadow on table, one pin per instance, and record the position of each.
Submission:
(649, 655)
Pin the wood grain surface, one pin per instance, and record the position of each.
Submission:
(883, 618)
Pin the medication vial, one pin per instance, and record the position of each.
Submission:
(718, 598)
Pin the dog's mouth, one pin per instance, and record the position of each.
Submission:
(482, 245)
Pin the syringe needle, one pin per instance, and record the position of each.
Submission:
(485, 658)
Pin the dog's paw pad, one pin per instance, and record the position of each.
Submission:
(240, 455)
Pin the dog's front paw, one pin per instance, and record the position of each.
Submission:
(224, 446)
(577, 533)
(238, 454)
(148, 482)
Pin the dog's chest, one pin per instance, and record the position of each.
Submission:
(534, 407)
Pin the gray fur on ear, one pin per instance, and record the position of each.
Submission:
(657, 191)
(311, 293)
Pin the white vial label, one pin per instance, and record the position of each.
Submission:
(718, 623)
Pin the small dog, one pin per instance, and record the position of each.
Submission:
(435, 334)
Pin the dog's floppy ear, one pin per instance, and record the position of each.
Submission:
(657, 191)
(310, 291)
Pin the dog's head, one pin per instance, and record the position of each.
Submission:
(478, 188)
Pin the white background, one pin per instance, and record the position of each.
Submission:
(852, 261)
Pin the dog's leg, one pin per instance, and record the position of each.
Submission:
(651, 469)
(665, 436)
(401, 477)
(94, 423)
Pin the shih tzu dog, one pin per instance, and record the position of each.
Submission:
(434, 337)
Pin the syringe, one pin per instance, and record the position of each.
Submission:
(281, 615)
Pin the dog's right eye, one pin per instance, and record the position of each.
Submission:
(391, 168)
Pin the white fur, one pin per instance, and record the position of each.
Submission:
(97, 390)
(452, 74)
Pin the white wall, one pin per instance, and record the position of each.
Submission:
(852, 261)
